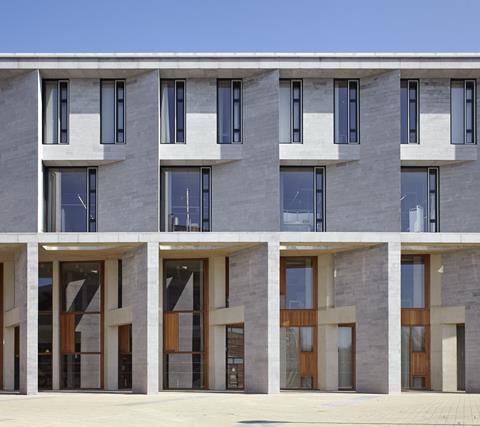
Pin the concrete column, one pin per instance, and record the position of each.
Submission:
(160, 326)
(26, 281)
(254, 283)
(216, 334)
(327, 346)
(141, 275)
(370, 279)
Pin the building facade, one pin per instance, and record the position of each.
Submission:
(239, 221)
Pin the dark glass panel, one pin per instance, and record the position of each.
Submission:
(224, 113)
(235, 357)
(183, 285)
(413, 281)
(45, 333)
(341, 112)
(81, 371)
(180, 114)
(353, 96)
(45, 283)
(457, 112)
(298, 284)
(81, 286)
(45, 372)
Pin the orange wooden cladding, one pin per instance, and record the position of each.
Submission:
(170, 338)
(67, 333)
(414, 316)
(419, 364)
(307, 364)
(124, 339)
(298, 318)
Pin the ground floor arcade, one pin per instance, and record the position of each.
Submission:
(257, 312)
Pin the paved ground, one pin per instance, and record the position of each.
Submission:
(235, 409)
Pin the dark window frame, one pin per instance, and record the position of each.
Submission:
(357, 110)
(292, 114)
(316, 171)
(429, 170)
(62, 128)
(233, 82)
(91, 224)
(416, 101)
(474, 112)
(123, 102)
(201, 169)
(177, 83)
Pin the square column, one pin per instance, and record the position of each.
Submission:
(254, 283)
(26, 284)
(141, 276)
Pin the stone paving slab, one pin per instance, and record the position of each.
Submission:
(239, 409)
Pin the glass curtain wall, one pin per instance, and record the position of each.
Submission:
(81, 323)
(45, 288)
(184, 308)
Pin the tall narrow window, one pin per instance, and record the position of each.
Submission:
(409, 111)
(119, 284)
(185, 323)
(112, 114)
(302, 197)
(419, 199)
(45, 283)
(55, 112)
(186, 199)
(290, 111)
(229, 111)
(346, 111)
(71, 195)
(463, 111)
(81, 325)
(172, 112)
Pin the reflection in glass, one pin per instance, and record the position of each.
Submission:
(50, 112)
(413, 281)
(419, 199)
(71, 200)
(45, 283)
(418, 339)
(224, 113)
(183, 316)
(405, 357)
(107, 113)
(235, 357)
(81, 371)
(184, 371)
(45, 332)
(298, 284)
(284, 118)
(81, 286)
(346, 111)
(80, 324)
(183, 285)
(345, 357)
(172, 111)
(302, 199)
(44, 372)
(185, 199)
(291, 344)
(409, 111)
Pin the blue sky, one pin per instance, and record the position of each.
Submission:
(242, 25)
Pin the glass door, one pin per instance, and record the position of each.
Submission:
(235, 357)
(414, 357)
